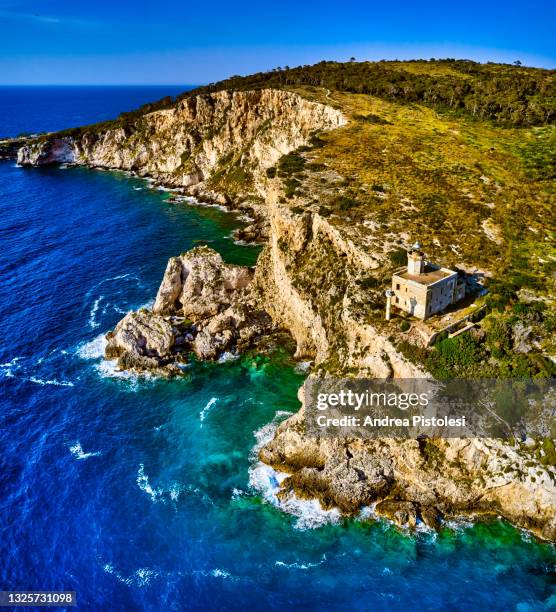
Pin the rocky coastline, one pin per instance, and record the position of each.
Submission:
(204, 307)
(218, 147)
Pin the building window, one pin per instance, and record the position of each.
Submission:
(398, 286)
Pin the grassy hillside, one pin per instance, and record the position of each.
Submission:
(477, 194)
(505, 94)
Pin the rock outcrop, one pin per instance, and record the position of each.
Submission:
(203, 306)
(409, 481)
(220, 142)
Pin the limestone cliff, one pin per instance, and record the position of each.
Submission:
(218, 142)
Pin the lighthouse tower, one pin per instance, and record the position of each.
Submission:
(415, 260)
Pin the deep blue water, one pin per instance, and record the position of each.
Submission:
(145, 494)
(32, 109)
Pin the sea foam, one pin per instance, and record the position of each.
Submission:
(204, 412)
(267, 481)
(77, 451)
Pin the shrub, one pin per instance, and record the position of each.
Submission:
(405, 325)
(369, 282)
(290, 164)
(371, 118)
(461, 355)
(344, 202)
(498, 337)
(399, 257)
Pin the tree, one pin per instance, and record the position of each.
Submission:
(351, 59)
(517, 63)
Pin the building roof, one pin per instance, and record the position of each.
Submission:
(428, 277)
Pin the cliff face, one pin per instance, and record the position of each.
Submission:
(222, 141)
(309, 274)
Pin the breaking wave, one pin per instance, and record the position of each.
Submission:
(204, 412)
(267, 481)
(77, 451)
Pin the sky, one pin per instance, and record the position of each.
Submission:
(195, 42)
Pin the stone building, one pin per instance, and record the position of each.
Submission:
(423, 289)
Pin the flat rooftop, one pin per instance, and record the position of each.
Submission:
(428, 277)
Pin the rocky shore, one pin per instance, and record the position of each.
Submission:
(413, 481)
(203, 307)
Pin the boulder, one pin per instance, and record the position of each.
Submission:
(403, 513)
(198, 284)
(142, 341)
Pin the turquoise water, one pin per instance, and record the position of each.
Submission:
(146, 494)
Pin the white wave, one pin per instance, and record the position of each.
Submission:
(7, 369)
(459, 524)
(204, 412)
(114, 278)
(77, 451)
(138, 188)
(93, 323)
(145, 485)
(144, 575)
(227, 356)
(109, 569)
(191, 201)
(244, 243)
(264, 434)
(301, 566)
(105, 368)
(310, 515)
(267, 481)
(57, 383)
(172, 494)
(109, 369)
(10, 369)
(140, 577)
(217, 572)
(94, 349)
(303, 366)
(220, 573)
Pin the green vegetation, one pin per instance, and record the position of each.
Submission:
(372, 119)
(506, 94)
(473, 355)
(512, 95)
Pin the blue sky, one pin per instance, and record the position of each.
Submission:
(193, 42)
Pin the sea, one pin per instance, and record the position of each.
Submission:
(147, 494)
